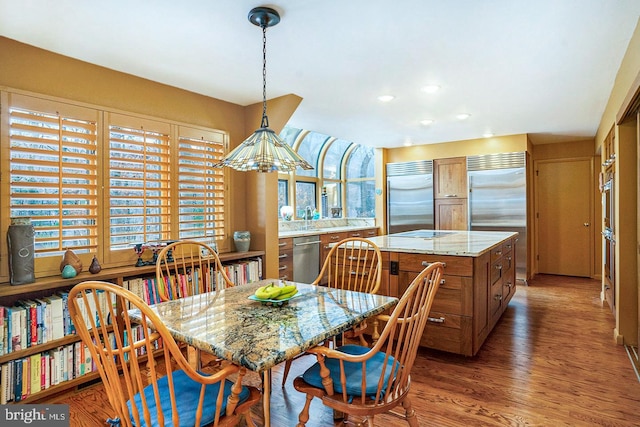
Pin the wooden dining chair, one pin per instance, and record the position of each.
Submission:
(353, 264)
(363, 382)
(189, 267)
(147, 379)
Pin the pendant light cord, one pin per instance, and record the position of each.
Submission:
(265, 120)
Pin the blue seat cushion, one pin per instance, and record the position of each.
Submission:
(353, 372)
(187, 392)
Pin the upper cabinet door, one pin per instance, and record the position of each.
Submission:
(450, 178)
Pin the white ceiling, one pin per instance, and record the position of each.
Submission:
(543, 67)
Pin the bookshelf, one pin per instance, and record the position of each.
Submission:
(45, 287)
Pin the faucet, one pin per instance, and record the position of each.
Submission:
(308, 215)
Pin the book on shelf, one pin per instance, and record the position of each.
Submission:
(55, 307)
(35, 380)
(3, 327)
(4, 383)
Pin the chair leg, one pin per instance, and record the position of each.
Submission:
(304, 414)
(287, 366)
(248, 419)
(370, 421)
(410, 414)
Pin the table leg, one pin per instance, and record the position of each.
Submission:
(266, 397)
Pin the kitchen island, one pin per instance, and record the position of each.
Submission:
(478, 282)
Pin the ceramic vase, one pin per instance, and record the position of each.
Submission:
(242, 240)
(21, 242)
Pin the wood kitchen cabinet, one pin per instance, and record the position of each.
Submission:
(450, 193)
(473, 294)
(327, 239)
(285, 258)
(451, 214)
(450, 178)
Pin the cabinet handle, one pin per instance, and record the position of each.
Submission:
(283, 256)
(334, 237)
(283, 267)
(509, 284)
(355, 235)
(499, 267)
(314, 242)
(285, 277)
(436, 319)
(355, 273)
(509, 246)
(508, 258)
(450, 195)
(498, 253)
(427, 264)
(498, 297)
(282, 244)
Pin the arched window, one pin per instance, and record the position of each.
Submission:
(327, 188)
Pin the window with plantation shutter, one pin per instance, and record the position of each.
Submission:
(200, 186)
(53, 175)
(139, 182)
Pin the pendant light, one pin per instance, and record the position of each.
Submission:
(264, 150)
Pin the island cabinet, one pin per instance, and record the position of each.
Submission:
(473, 294)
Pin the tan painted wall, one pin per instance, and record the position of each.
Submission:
(33, 70)
(627, 140)
(470, 147)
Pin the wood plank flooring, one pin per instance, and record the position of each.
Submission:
(550, 361)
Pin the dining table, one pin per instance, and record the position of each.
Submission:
(258, 335)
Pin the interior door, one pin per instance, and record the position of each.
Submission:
(564, 216)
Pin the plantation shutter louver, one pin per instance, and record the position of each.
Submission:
(53, 176)
(139, 185)
(200, 186)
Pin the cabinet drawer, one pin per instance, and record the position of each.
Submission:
(329, 238)
(496, 271)
(495, 298)
(454, 296)
(285, 243)
(454, 265)
(496, 253)
(448, 332)
(508, 245)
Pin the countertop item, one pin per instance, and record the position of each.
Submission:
(441, 242)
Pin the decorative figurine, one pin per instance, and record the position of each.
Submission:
(70, 258)
(68, 271)
(95, 266)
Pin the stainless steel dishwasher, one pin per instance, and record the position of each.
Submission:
(306, 258)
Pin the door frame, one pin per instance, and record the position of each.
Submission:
(536, 219)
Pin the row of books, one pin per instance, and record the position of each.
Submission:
(20, 378)
(38, 321)
(183, 283)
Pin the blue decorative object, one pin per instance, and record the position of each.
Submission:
(68, 272)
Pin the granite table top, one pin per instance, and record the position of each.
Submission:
(440, 242)
(259, 336)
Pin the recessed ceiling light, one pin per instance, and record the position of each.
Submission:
(426, 122)
(463, 116)
(385, 98)
(407, 143)
(431, 88)
(487, 135)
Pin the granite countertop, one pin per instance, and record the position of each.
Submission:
(322, 230)
(260, 336)
(438, 242)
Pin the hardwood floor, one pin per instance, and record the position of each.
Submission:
(550, 361)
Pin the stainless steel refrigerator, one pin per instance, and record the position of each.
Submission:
(498, 198)
(410, 196)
